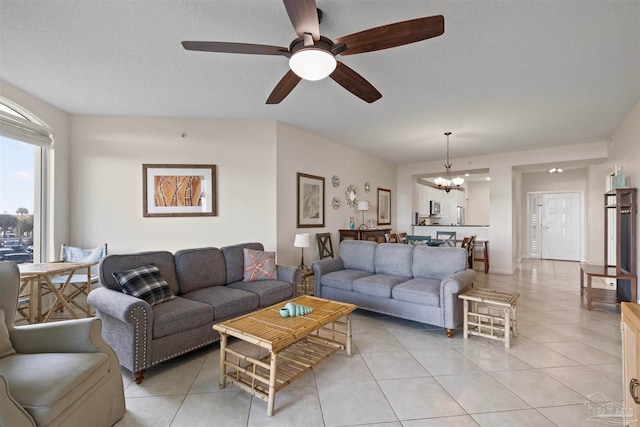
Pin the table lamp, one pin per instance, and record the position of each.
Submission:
(302, 241)
(363, 206)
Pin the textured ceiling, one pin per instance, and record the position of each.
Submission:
(505, 76)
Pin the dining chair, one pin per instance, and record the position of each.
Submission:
(325, 247)
(449, 237)
(79, 284)
(467, 243)
(401, 237)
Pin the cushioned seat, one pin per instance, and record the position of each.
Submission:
(47, 384)
(379, 285)
(269, 291)
(226, 302)
(420, 291)
(178, 315)
(343, 279)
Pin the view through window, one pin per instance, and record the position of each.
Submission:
(17, 199)
(24, 141)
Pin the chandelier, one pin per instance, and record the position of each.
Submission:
(447, 183)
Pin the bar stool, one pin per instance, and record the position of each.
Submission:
(484, 246)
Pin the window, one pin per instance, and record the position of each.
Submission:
(24, 145)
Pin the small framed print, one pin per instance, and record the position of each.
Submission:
(179, 190)
(384, 206)
(310, 200)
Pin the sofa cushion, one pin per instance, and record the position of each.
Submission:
(145, 283)
(161, 259)
(269, 291)
(234, 260)
(438, 262)
(178, 315)
(47, 384)
(394, 259)
(6, 348)
(259, 265)
(358, 254)
(200, 268)
(419, 291)
(226, 302)
(378, 285)
(342, 279)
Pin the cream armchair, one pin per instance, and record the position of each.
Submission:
(54, 374)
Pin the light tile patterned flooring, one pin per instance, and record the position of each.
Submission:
(404, 373)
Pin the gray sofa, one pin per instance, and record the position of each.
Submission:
(209, 288)
(418, 283)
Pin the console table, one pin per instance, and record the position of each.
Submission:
(374, 234)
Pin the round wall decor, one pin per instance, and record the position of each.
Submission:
(351, 194)
(335, 180)
(335, 203)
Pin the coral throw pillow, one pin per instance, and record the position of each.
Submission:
(259, 265)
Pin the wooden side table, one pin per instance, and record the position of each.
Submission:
(305, 283)
(608, 296)
(490, 313)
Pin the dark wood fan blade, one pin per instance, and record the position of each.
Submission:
(224, 47)
(304, 17)
(284, 87)
(393, 35)
(355, 83)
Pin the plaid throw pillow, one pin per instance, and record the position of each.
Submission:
(259, 265)
(145, 283)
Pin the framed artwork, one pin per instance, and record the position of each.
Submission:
(179, 190)
(384, 206)
(310, 201)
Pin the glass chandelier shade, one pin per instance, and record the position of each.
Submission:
(447, 183)
(312, 63)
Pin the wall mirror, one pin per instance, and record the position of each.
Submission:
(351, 194)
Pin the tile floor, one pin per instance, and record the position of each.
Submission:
(404, 373)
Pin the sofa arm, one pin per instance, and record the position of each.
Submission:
(325, 266)
(127, 326)
(118, 305)
(457, 282)
(451, 305)
(67, 336)
(11, 413)
(287, 273)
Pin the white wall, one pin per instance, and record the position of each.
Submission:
(505, 219)
(58, 120)
(107, 154)
(478, 203)
(299, 151)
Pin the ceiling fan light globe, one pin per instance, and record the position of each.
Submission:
(312, 63)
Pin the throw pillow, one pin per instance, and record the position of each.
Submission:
(6, 348)
(259, 265)
(145, 283)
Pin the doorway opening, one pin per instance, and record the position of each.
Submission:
(555, 225)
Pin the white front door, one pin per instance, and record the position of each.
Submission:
(555, 225)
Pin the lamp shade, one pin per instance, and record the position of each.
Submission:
(302, 240)
(363, 206)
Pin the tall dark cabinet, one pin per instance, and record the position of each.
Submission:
(620, 239)
(620, 251)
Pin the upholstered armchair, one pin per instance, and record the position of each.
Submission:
(54, 374)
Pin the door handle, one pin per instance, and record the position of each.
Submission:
(633, 390)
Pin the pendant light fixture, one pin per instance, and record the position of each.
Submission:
(447, 183)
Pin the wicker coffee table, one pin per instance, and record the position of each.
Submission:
(294, 345)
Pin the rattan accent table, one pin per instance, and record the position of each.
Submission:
(294, 345)
(490, 313)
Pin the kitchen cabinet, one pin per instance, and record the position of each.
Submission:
(630, 328)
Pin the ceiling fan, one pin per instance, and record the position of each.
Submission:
(313, 57)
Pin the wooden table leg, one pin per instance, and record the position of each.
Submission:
(581, 281)
(588, 292)
(223, 358)
(272, 383)
(465, 330)
(348, 343)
